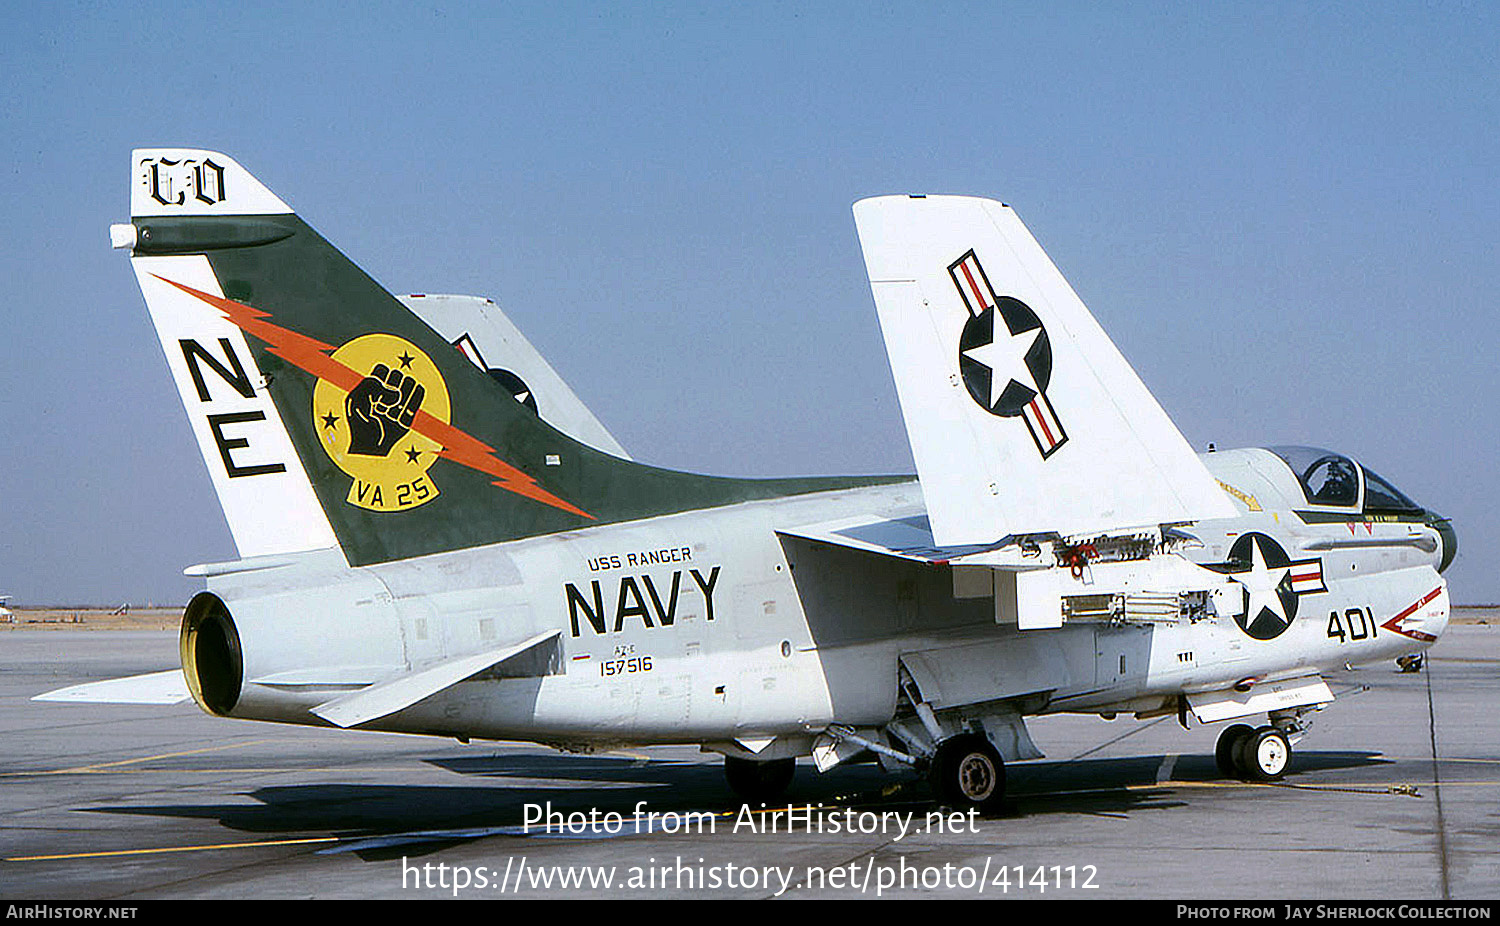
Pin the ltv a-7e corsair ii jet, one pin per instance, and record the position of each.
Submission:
(438, 538)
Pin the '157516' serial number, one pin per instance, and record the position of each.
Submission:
(628, 666)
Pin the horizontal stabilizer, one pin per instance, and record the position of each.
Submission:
(1023, 416)
(167, 687)
(403, 691)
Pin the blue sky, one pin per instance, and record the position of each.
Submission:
(1285, 215)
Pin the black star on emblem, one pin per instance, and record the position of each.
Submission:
(516, 386)
(330, 419)
(406, 360)
(411, 454)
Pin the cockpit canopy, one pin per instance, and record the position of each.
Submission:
(1324, 487)
(1332, 479)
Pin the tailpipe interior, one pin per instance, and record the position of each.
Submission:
(211, 657)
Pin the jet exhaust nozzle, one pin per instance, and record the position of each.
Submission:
(212, 661)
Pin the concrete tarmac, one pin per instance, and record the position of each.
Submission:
(1392, 796)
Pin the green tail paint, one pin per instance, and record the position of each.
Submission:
(410, 448)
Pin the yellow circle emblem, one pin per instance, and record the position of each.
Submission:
(373, 431)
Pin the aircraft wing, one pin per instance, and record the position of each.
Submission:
(907, 538)
(1025, 589)
(167, 687)
(1022, 577)
(1023, 416)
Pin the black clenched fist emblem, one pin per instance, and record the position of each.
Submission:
(381, 410)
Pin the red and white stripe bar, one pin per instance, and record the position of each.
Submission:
(468, 348)
(972, 284)
(1307, 576)
(1044, 425)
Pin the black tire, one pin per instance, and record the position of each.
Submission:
(967, 773)
(1226, 753)
(1265, 755)
(759, 781)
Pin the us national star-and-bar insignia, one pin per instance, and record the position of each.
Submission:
(1272, 584)
(508, 381)
(1004, 356)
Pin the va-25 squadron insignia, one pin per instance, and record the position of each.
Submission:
(1006, 367)
(367, 431)
(313, 357)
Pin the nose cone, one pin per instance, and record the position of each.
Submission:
(1444, 527)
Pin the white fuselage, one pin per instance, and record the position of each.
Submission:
(710, 627)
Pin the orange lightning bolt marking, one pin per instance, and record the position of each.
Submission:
(312, 356)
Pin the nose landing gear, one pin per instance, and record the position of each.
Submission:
(1252, 754)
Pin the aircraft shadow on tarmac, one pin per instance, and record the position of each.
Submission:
(381, 821)
(1056, 778)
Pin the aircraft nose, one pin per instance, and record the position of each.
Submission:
(1444, 527)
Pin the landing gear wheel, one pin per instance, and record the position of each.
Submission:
(1265, 754)
(759, 781)
(967, 773)
(1226, 752)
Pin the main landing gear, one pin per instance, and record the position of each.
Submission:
(967, 773)
(1253, 754)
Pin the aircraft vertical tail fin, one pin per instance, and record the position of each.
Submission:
(1022, 415)
(330, 414)
(179, 202)
(478, 328)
